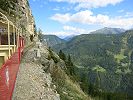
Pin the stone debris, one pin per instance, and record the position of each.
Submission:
(32, 82)
(38, 53)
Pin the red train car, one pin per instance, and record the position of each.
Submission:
(11, 49)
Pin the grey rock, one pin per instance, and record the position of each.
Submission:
(33, 83)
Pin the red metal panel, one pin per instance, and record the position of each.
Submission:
(8, 74)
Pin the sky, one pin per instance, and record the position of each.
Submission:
(73, 17)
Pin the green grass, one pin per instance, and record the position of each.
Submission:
(127, 71)
(98, 69)
(120, 56)
(68, 89)
(129, 55)
(118, 71)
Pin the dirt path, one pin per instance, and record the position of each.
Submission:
(32, 82)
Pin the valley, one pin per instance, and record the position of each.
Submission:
(106, 58)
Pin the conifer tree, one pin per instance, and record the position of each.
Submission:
(69, 62)
(84, 83)
(52, 56)
(70, 66)
(40, 35)
(62, 55)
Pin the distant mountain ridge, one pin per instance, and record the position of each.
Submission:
(52, 40)
(107, 30)
(68, 38)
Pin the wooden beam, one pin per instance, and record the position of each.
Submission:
(9, 38)
(14, 37)
(17, 38)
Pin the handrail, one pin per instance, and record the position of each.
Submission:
(7, 20)
(9, 69)
(3, 15)
(9, 24)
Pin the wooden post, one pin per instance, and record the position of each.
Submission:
(21, 37)
(18, 39)
(14, 37)
(9, 38)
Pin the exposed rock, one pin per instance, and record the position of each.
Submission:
(32, 82)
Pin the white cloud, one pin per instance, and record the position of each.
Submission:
(121, 11)
(75, 30)
(120, 22)
(61, 17)
(60, 34)
(90, 3)
(69, 31)
(87, 17)
(56, 8)
(97, 3)
(129, 14)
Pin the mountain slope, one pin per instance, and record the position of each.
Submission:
(46, 79)
(68, 38)
(107, 58)
(52, 40)
(107, 30)
(66, 87)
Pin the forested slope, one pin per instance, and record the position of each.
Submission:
(106, 59)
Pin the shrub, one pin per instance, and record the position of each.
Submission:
(52, 56)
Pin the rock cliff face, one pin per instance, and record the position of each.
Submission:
(26, 20)
(19, 12)
(67, 88)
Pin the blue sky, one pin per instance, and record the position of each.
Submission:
(74, 17)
